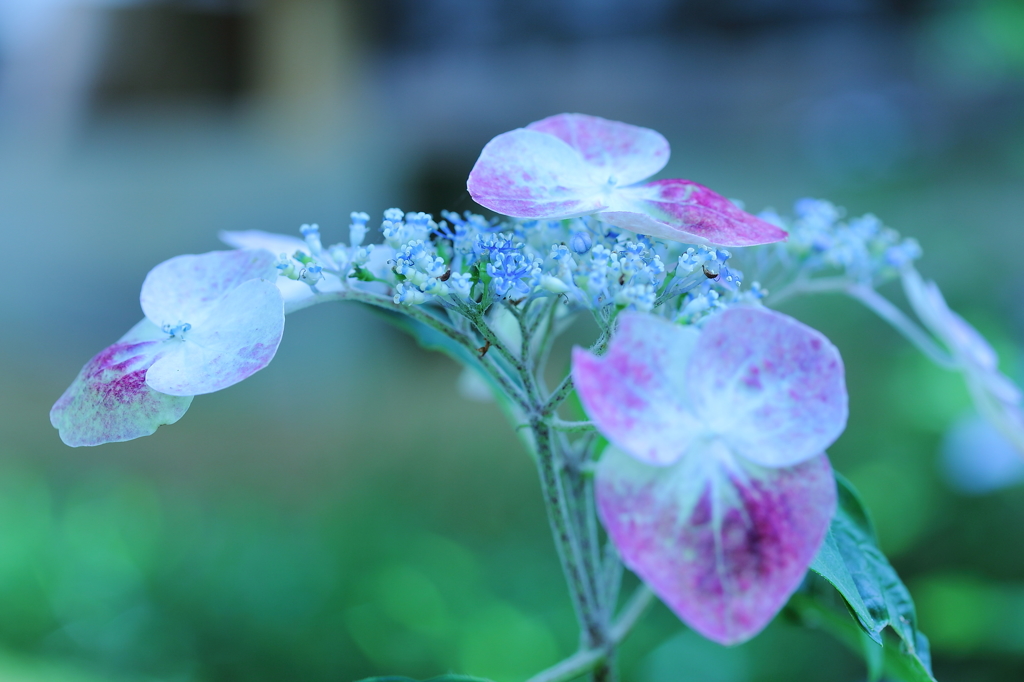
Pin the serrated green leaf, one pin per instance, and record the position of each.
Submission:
(895, 662)
(851, 561)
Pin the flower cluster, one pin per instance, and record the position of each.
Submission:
(862, 248)
(210, 321)
(573, 165)
(716, 490)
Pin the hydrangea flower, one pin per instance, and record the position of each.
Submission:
(573, 165)
(211, 320)
(716, 489)
(996, 397)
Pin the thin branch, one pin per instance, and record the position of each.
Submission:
(638, 603)
(885, 309)
(420, 314)
(879, 305)
(586, 660)
(572, 427)
(803, 285)
(560, 519)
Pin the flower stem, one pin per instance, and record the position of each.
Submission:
(587, 660)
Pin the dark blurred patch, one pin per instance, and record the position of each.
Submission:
(440, 184)
(456, 24)
(166, 51)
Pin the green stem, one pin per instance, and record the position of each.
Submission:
(572, 427)
(587, 660)
(567, 543)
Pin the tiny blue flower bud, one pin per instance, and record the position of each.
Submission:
(357, 230)
(581, 242)
(311, 274)
(311, 233)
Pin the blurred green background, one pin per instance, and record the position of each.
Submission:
(346, 512)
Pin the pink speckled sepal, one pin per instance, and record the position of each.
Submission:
(625, 152)
(773, 387)
(110, 401)
(636, 392)
(722, 542)
(685, 211)
(529, 174)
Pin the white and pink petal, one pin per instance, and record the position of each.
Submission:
(234, 338)
(179, 289)
(110, 400)
(636, 392)
(685, 211)
(769, 385)
(624, 153)
(723, 542)
(529, 174)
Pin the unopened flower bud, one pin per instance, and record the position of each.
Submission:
(581, 242)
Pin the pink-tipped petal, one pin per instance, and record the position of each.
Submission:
(109, 401)
(684, 211)
(722, 542)
(625, 152)
(178, 290)
(772, 387)
(529, 174)
(636, 393)
(237, 337)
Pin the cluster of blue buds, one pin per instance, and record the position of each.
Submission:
(591, 264)
(861, 248)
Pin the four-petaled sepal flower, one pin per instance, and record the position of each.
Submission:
(573, 165)
(716, 489)
(211, 321)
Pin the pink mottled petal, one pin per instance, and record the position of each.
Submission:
(636, 392)
(622, 151)
(109, 401)
(237, 337)
(528, 174)
(721, 541)
(773, 387)
(179, 289)
(684, 211)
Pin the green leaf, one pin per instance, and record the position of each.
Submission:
(890, 658)
(439, 678)
(850, 560)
